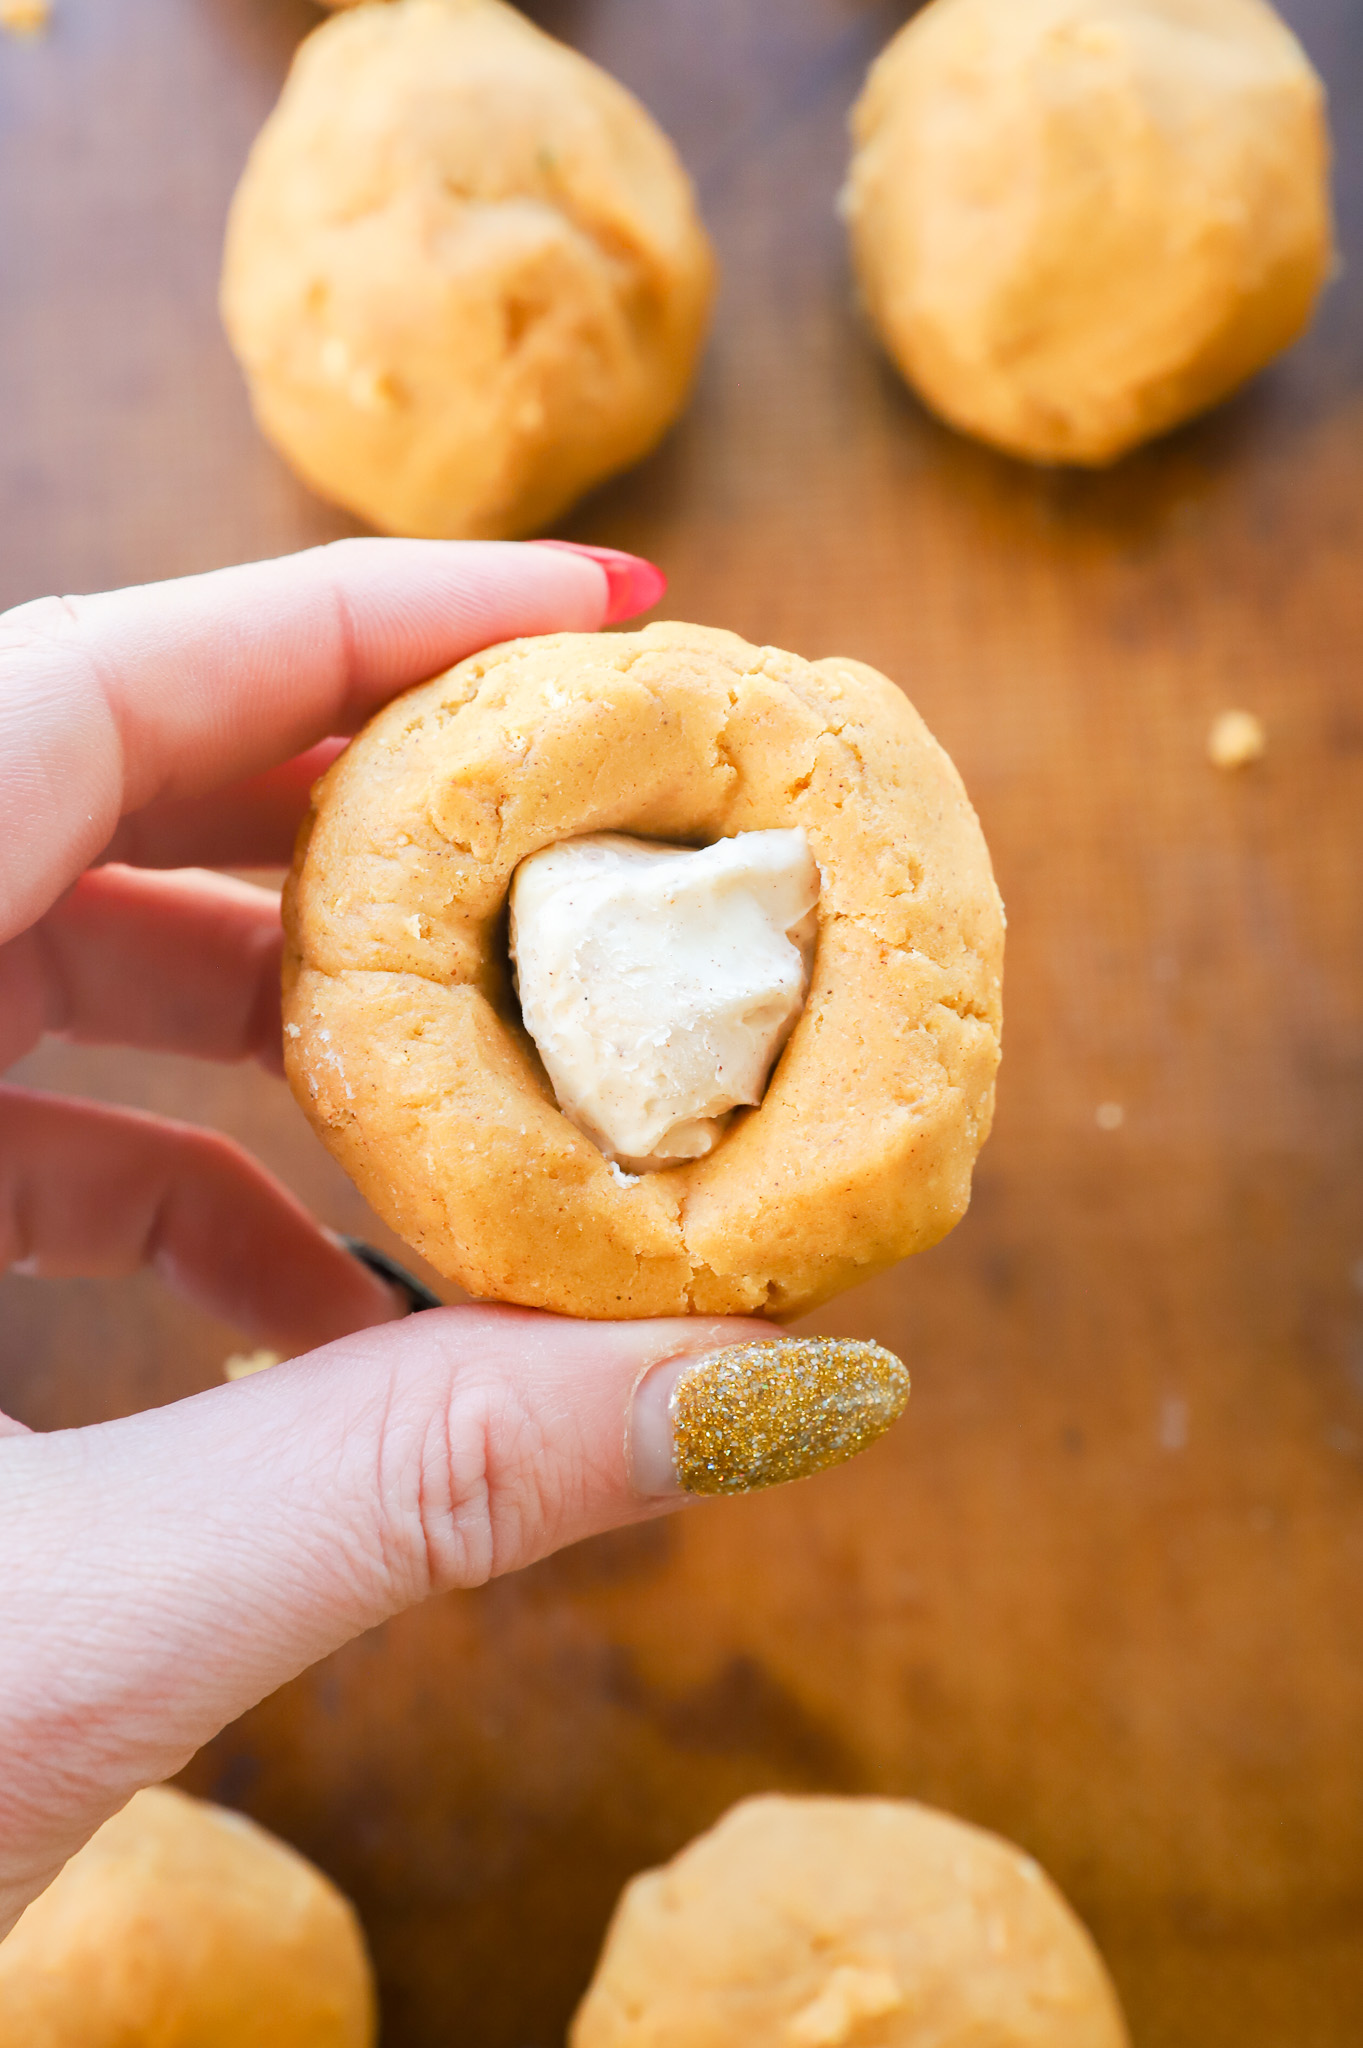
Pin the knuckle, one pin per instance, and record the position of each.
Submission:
(212, 1152)
(487, 1498)
(34, 628)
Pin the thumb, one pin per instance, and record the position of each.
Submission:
(163, 1573)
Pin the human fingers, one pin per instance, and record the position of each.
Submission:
(91, 1190)
(138, 697)
(184, 962)
(249, 824)
(168, 1570)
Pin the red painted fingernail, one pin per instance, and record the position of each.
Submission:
(632, 584)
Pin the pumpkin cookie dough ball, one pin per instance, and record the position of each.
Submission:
(866, 962)
(187, 1926)
(1078, 222)
(464, 272)
(810, 1923)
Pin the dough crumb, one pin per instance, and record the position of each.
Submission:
(849, 1997)
(25, 17)
(1236, 739)
(242, 1364)
(1109, 1116)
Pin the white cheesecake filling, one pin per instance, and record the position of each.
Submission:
(659, 983)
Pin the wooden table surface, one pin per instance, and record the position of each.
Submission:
(1103, 1590)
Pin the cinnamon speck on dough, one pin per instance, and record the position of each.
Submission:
(25, 17)
(1236, 738)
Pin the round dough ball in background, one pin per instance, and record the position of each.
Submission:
(464, 272)
(404, 1046)
(814, 1922)
(1078, 222)
(188, 1926)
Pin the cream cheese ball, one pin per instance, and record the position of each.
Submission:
(185, 1926)
(464, 272)
(1077, 222)
(875, 1923)
(660, 982)
(727, 855)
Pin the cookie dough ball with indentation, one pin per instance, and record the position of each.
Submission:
(847, 1923)
(464, 272)
(406, 1046)
(185, 1925)
(1078, 222)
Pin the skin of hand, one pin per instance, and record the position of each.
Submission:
(160, 1574)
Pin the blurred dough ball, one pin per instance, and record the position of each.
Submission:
(1077, 222)
(186, 1926)
(809, 1923)
(464, 271)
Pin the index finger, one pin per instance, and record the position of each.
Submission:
(163, 692)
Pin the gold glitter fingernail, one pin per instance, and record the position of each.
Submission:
(763, 1413)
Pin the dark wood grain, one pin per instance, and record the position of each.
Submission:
(1104, 1588)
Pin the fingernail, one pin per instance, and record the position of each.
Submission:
(412, 1293)
(760, 1414)
(632, 584)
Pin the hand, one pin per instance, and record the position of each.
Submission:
(127, 725)
(159, 1575)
